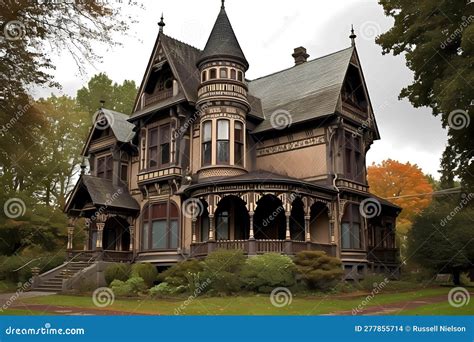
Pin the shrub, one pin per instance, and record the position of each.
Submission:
(265, 272)
(165, 289)
(222, 268)
(117, 271)
(129, 288)
(317, 270)
(372, 281)
(9, 265)
(180, 273)
(145, 271)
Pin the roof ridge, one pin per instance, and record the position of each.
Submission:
(295, 66)
(181, 42)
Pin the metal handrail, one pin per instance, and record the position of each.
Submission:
(29, 262)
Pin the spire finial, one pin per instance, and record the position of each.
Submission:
(352, 36)
(223, 4)
(161, 24)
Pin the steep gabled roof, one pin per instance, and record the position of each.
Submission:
(121, 128)
(222, 42)
(101, 193)
(306, 91)
(182, 59)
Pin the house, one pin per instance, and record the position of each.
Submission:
(209, 160)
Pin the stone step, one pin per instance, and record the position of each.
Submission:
(48, 288)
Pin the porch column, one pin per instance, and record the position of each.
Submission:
(131, 229)
(212, 228)
(87, 236)
(70, 235)
(251, 232)
(288, 234)
(100, 232)
(307, 229)
(193, 227)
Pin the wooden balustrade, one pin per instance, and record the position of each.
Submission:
(157, 97)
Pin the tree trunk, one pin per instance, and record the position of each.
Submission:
(457, 277)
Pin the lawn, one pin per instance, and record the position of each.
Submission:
(254, 305)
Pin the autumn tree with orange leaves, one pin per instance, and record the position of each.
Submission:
(402, 184)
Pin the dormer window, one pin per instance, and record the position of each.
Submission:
(212, 74)
(223, 73)
(105, 167)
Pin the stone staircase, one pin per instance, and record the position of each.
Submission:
(52, 281)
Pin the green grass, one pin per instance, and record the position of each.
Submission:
(239, 305)
(441, 309)
(7, 287)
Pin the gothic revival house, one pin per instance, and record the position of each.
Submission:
(209, 159)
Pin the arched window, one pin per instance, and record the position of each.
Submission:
(212, 74)
(204, 76)
(233, 74)
(238, 143)
(207, 143)
(160, 228)
(222, 141)
(241, 76)
(223, 73)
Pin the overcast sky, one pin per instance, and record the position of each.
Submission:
(268, 31)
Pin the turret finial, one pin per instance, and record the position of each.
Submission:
(161, 24)
(223, 4)
(352, 36)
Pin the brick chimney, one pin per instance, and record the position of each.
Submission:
(300, 55)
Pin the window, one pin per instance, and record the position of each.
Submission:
(223, 73)
(124, 173)
(222, 141)
(351, 228)
(204, 76)
(153, 148)
(353, 158)
(241, 76)
(207, 143)
(105, 167)
(160, 227)
(164, 145)
(222, 225)
(158, 146)
(238, 144)
(212, 74)
(233, 74)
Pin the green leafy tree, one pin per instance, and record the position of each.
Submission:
(437, 40)
(118, 97)
(442, 238)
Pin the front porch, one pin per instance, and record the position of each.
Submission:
(99, 255)
(260, 246)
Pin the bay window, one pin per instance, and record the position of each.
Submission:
(238, 143)
(223, 141)
(160, 228)
(207, 143)
(158, 146)
(351, 231)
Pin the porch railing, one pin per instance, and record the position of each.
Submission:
(383, 255)
(290, 247)
(106, 255)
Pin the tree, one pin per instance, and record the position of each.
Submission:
(442, 238)
(403, 184)
(437, 40)
(118, 97)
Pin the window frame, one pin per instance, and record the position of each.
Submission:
(213, 74)
(222, 140)
(148, 221)
(107, 170)
(352, 218)
(205, 143)
(223, 73)
(239, 144)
